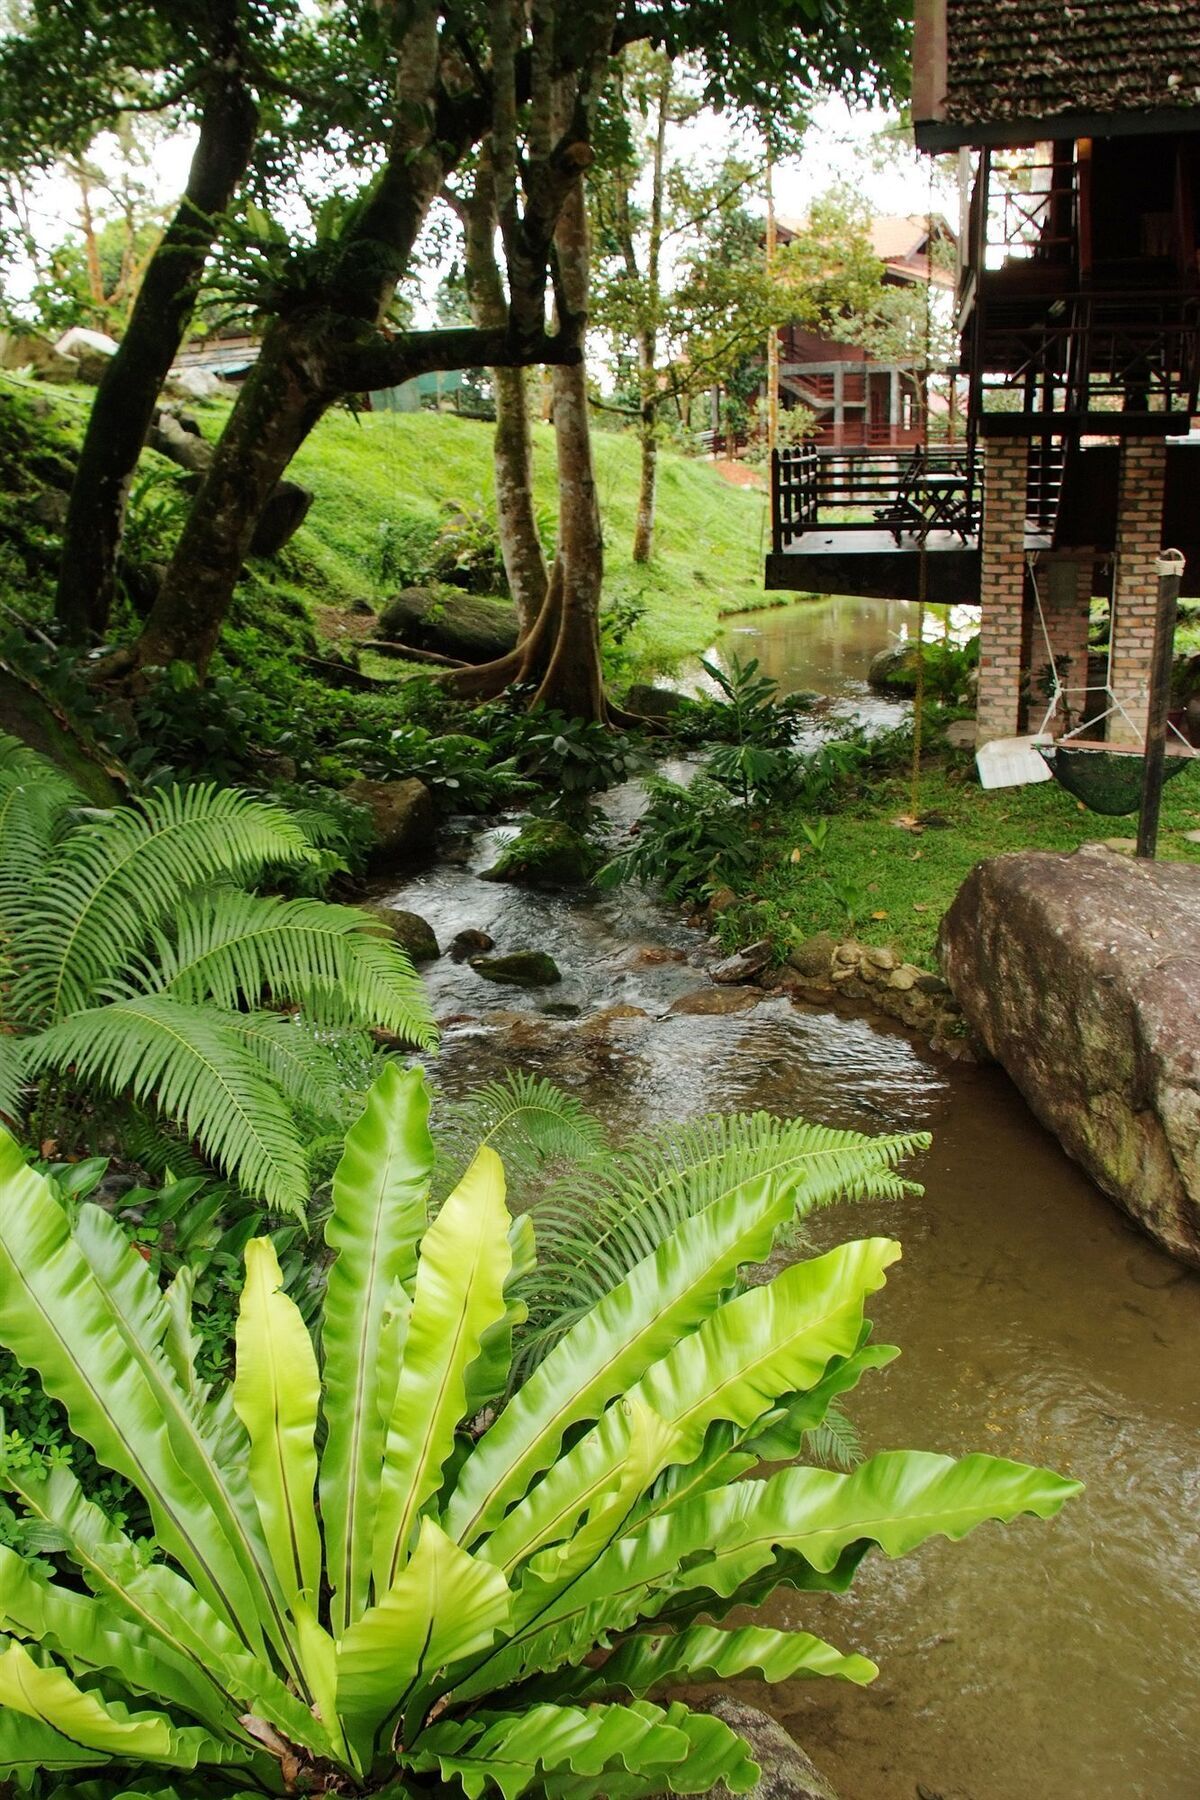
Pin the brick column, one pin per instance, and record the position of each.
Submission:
(1065, 586)
(1001, 588)
(1135, 582)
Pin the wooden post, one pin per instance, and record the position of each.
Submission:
(1170, 573)
(773, 338)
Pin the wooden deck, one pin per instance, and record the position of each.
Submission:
(868, 562)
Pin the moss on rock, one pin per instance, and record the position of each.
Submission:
(450, 622)
(546, 854)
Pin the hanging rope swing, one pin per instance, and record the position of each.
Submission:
(1108, 778)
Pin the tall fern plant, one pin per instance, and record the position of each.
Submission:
(137, 962)
(362, 1592)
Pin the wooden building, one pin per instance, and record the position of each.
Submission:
(1079, 313)
(860, 399)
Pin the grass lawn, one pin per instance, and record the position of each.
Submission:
(904, 881)
(369, 470)
(709, 544)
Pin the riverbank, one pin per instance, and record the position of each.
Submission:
(884, 880)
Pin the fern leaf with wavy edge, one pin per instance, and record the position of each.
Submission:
(713, 1544)
(782, 1335)
(706, 1653)
(704, 1373)
(192, 1065)
(228, 948)
(596, 1225)
(121, 873)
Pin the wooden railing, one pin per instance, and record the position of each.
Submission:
(901, 490)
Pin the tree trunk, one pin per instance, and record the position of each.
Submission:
(280, 402)
(516, 515)
(125, 399)
(643, 536)
(573, 682)
(512, 446)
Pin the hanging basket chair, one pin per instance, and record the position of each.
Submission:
(1106, 780)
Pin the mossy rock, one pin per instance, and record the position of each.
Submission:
(451, 623)
(520, 968)
(402, 814)
(894, 670)
(414, 934)
(650, 702)
(546, 854)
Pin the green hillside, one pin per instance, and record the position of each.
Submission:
(367, 470)
(376, 470)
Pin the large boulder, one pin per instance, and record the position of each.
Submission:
(520, 968)
(402, 814)
(91, 350)
(30, 350)
(1081, 975)
(170, 436)
(546, 854)
(450, 623)
(787, 1773)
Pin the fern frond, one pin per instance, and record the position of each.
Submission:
(13, 1076)
(192, 1065)
(123, 872)
(835, 1442)
(301, 1060)
(529, 1122)
(594, 1227)
(18, 760)
(32, 806)
(229, 948)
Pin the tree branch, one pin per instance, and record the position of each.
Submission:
(387, 362)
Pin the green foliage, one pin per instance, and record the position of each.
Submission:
(491, 1606)
(139, 965)
(462, 549)
(689, 841)
(462, 771)
(570, 760)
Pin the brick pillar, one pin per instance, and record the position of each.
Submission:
(1065, 586)
(1001, 588)
(1135, 581)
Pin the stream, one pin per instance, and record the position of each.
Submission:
(1034, 1662)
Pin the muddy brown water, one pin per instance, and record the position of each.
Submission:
(1039, 1661)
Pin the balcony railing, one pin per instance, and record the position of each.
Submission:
(904, 492)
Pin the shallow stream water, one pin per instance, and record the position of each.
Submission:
(1035, 1662)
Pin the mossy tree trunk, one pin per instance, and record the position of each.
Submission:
(648, 391)
(125, 399)
(334, 343)
(512, 446)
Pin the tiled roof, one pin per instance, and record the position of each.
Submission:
(1030, 59)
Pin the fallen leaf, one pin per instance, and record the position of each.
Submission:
(796, 855)
(920, 906)
(879, 915)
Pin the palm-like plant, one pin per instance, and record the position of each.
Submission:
(358, 1593)
(133, 956)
